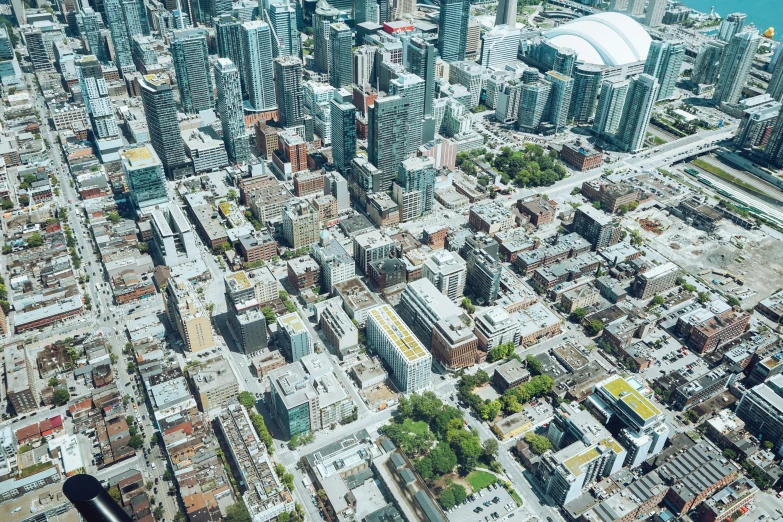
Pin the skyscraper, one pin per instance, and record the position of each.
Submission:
(191, 63)
(639, 104)
(565, 61)
(707, 66)
(144, 176)
(507, 13)
(655, 11)
(161, 112)
(325, 15)
(620, 6)
(735, 66)
(228, 31)
(499, 46)
(384, 11)
(453, 29)
(281, 17)
(341, 60)
(387, 137)
(559, 99)
(91, 31)
(610, 106)
(533, 99)
(366, 11)
(135, 15)
(98, 104)
(411, 88)
(343, 134)
(418, 174)
(636, 7)
(663, 62)
(257, 42)
(775, 87)
(731, 25)
(421, 62)
(217, 8)
(774, 149)
(587, 82)
(115, 20)
(229, 105)
(288, 79)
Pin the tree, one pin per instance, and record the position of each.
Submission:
(533, 364)
(54, 381)
(447, 498)
(150, 484)
(130, 419)
(537, 443)
(114, 493)
(490, 449)
(143, 247)
(594, 327)
(502, 351)
(691, 415)
(703, 297)
(247, 399)
(136, 441)
(733, 301)
(114, 217)
(179, 516)
(468, 305)
(35, 240)
(767, 444)
(131, 367)
(269, 315)
(60, 396)
(578, 315)
(24, 200)
(597, 204)
(730, 454)
(636, 238)
(7, 204)
(658, 300)
(232, 194)
(167, 475)
(237, 512)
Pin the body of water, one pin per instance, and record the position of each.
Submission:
(763, 13)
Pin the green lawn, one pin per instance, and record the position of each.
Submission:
(480, 479)
(417, 428)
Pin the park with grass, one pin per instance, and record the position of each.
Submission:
(445, 453)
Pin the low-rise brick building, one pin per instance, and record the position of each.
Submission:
(580, 156)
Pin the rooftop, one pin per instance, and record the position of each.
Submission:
(621, 390)
(397, 331)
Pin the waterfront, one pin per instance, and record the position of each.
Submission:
(763, 13)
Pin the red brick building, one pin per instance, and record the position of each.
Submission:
(581, 157)
(257, 248)
(539, 210)
(435, 236)
(303, 273)
(704, 335)
(307, 183)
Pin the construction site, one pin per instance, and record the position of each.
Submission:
(731, 259)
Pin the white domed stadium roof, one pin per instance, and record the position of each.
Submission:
(603, 39)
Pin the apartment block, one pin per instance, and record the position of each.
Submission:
(391, 339)
(294, 337)
(656, 280)
(306, 396)
(214, 384)
(188, 315)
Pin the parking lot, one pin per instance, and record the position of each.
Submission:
(468, 512)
